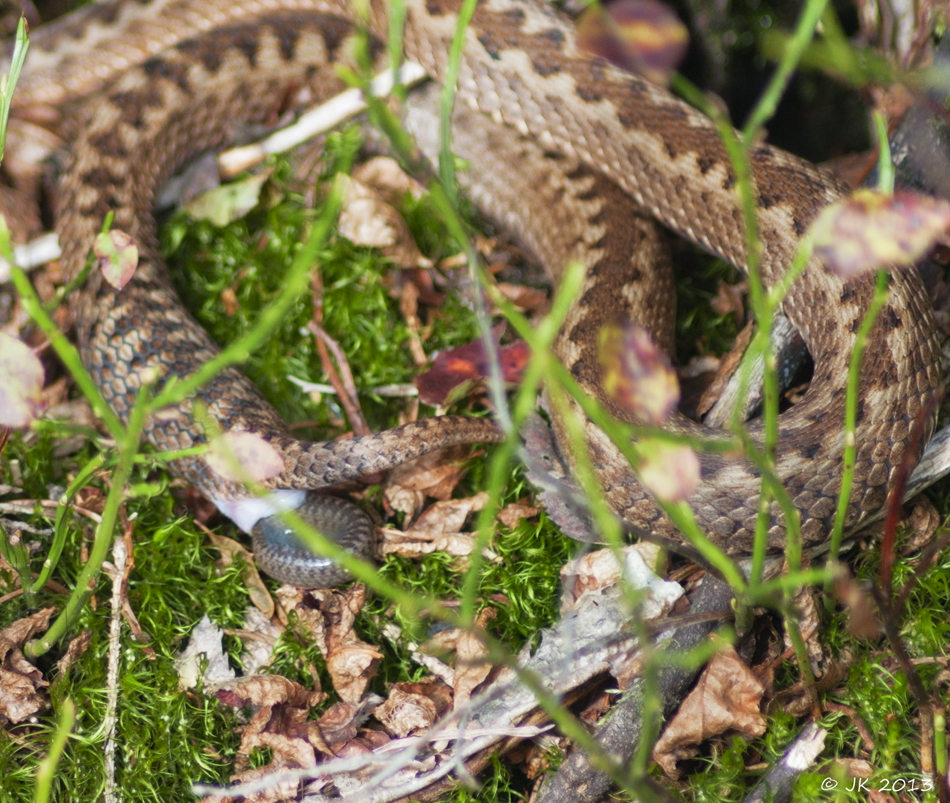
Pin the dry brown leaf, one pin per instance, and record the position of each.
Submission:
(513, 513)
(366, 219)
(437, 530)
(406, 713)
(446, 517)
(267, 690)
(383, 174)
(527, 299)
(352, 666)
(21, 683)
(328, 615)
(435, 474)
(76, 649)
(923, 521)
(471, 665)
(338, 725)
(726, 698)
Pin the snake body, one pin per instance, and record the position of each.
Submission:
(579, 159)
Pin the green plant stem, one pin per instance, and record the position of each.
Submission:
(885, 165)
(85, 583)
(67, 352)
(447, 102)
(296, 283)
(851, 412)
(792, 55)
(8, 82)
(524, 404)
(46, 769)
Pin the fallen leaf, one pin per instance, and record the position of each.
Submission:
(641, 36)
(118, 256)
(366, 219)
(637, 374)
(338, 724)
(267, 690)
(21, 684)
(726, 698)
(238, 455)
(433, 475)
(511, 514)
(404, 713)
(383, 174)
(870, 230)
(204, 650)
(472, 666)
(21, 383)
(438, 529)
(328, 615)
(229, 202)
(458, 372)
(526, 299)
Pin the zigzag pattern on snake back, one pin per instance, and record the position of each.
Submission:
(568, 152)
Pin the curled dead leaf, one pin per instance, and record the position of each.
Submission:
(22, 685)
(726, 698)
(366, 219)
(404, 713)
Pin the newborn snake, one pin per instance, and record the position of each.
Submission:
(577, 158)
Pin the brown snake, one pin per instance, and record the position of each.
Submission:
(567, 152)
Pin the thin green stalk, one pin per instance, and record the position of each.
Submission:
(447, 102)
(296, 283)
(82, 479)
(86, 582)
(66, 352)
(794, 50)
(18, 556)
(851, 411)
(885, 165)
(8, 82)
(524, 404)
(46, 769)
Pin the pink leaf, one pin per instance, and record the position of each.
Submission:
(870, 230)
(637, 374)
(240, 456)
(21, 383)
(118, 257)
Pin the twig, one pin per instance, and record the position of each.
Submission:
(116, 573)
(776, 786)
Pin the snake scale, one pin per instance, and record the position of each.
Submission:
(578, 159)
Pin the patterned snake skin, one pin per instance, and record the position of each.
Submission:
(577, 158)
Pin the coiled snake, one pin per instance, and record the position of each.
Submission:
(577, 158)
